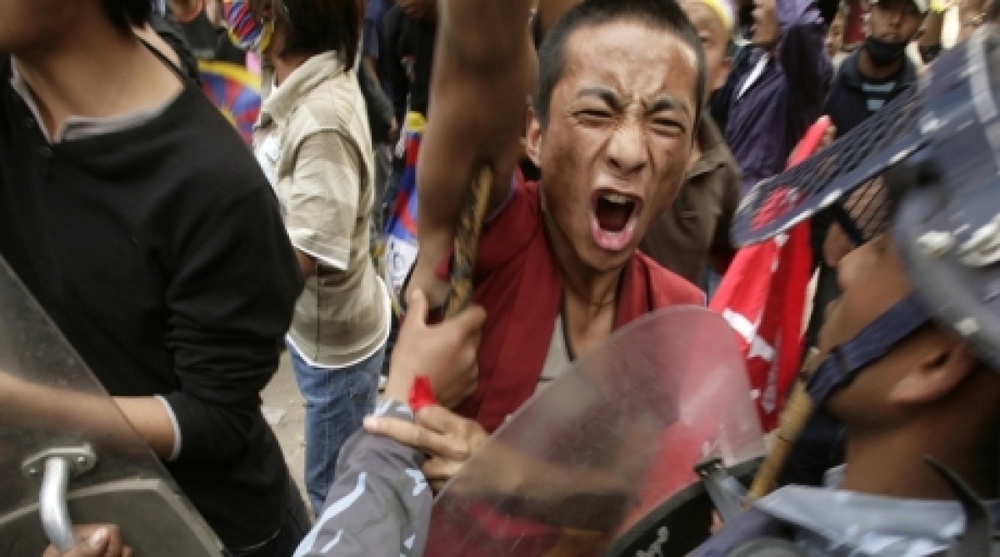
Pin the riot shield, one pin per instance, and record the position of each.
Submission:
(67, 454)
(591, 455)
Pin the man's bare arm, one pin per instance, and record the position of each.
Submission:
(484, 70)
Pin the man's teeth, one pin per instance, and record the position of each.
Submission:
(615, 198)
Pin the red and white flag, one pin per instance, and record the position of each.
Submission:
(763, 296)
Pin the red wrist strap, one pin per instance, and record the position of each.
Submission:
(421, 393)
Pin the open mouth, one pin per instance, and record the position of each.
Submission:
(614, 219)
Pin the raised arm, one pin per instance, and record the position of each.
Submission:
(802, 54)
(484, 70)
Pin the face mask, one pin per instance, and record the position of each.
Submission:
(245, 31)
(883, 53)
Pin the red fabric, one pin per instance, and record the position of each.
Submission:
(854, 24)
(763, 297)
(518, 284)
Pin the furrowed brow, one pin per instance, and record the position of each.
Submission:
(607, 95)
(668, 103)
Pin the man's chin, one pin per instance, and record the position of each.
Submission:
(601, 261)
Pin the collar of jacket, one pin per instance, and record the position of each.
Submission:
(850, 68)
(314, 71)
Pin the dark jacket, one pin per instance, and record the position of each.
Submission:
(697, 223)
(409, 46)
(380, 503)
(847, 104)
(771, 116)
(170, 274)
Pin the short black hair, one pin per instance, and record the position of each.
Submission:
(316, 26)
(126, 14)
(662, 14)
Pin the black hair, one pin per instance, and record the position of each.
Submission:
(662, 14)
(316, 26)
(993, 11)
(126, 14)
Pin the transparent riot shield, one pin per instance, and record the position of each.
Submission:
(586, 462)
(67, 454)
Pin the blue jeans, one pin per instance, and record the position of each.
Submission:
(337, 400)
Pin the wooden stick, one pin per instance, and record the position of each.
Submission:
(467, 241)
(797, 412)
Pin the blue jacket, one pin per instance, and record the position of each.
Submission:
(771, 116)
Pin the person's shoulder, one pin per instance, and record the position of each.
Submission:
(202, 147)
(667, 287)
(334, 104)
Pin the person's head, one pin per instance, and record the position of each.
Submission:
(714, 22)
(28, 24)
(891, 25)
(765, 29)
(912, 346)
(931, 373)
(621, 84)
(308, 27)
(419, 9)
(835, 33)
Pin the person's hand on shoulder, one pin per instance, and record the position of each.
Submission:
(98, 540)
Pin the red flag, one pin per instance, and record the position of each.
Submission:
(763, 296)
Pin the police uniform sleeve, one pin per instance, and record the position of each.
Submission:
(380, 503)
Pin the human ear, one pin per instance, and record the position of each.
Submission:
(533, 137)
(935, 371)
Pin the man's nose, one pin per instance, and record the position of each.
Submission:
(627, 152)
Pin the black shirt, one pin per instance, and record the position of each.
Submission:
(160, 254)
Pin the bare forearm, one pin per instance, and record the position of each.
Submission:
(484, 70)
(31, 406)
(151, 421)
(483, 34)
(933, 25)
(307, 263)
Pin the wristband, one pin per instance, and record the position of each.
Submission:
(421, 393)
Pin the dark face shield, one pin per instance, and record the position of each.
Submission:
(928, 166)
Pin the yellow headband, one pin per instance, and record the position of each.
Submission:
(722, 10)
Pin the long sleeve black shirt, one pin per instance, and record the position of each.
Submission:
(160, 254)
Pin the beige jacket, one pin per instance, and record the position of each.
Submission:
(313, 142)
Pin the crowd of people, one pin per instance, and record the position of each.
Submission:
(624, 137)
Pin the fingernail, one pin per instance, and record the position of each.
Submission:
(97, 539)
(370, 423)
